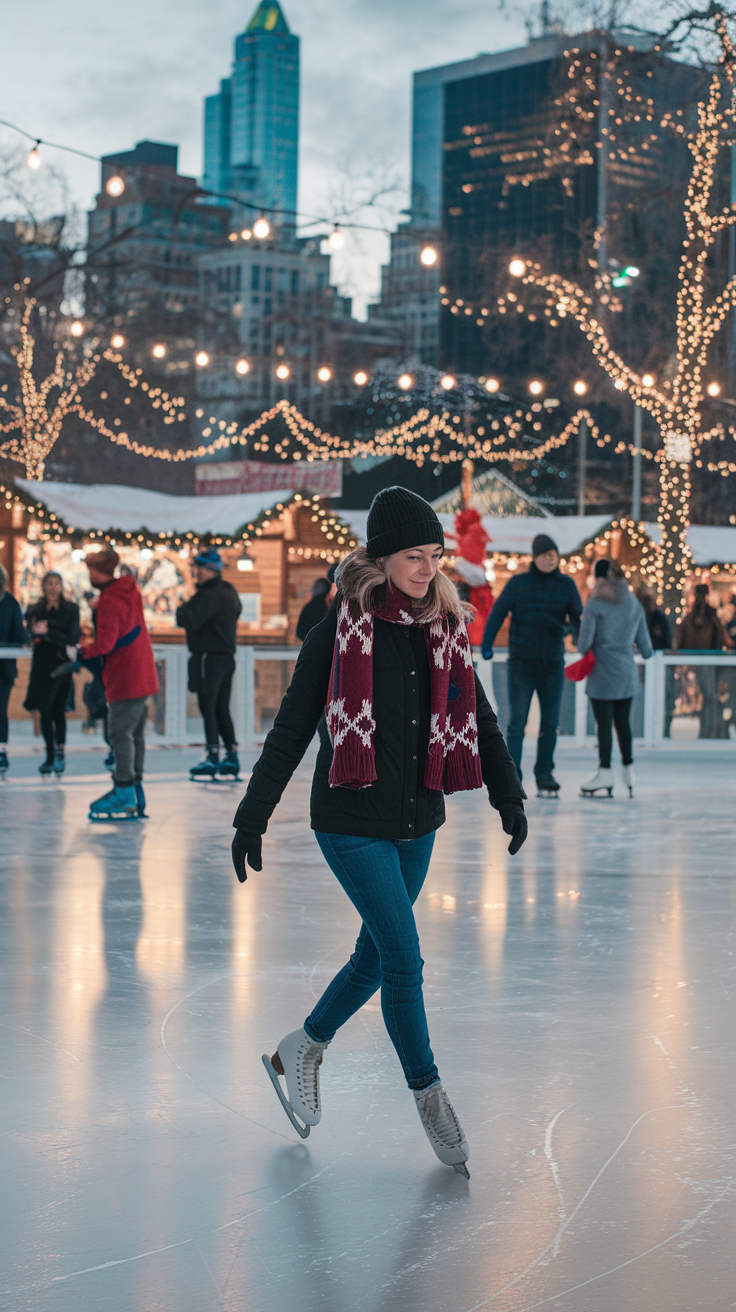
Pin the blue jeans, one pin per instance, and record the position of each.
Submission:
(383, 880)
(547, 679)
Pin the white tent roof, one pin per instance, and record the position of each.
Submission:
(105, 506)
(710, 544)
(512, 532)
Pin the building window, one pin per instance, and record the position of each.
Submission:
(268, 271)
(295, 282)
(255, 277)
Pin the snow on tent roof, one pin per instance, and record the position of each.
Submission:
(108, 506)
(710, 544)
(512, 532)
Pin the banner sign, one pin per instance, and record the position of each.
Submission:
(224, 477)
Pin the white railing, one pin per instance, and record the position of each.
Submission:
(686, 700)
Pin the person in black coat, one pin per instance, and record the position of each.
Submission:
(545, 605)
(315, 609)
(12, 634)
(660, 629)
(53, 626)
(210, 619)
(387, 679)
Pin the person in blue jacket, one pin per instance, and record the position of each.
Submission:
(12, 634)
(545, 605)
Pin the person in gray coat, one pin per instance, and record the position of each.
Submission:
(613, 624)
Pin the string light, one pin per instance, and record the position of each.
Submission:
(448, 382)
(360, 379)
(242, 367)
(535, 387)
(324, 374)
(159, 351)
(336, 241)
(580, 387)
(202, 359)
(76, 328)
(282, 371)
(117, 341)
(34, 159)
(428, 256)
(115, 186)
(261, 228)
(492, 384)
(713, 389)
(405, 381)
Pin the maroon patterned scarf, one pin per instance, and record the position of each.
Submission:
(453, 763)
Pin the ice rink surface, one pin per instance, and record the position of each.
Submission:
(581, 1006)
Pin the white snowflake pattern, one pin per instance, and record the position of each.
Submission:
(340, 724)
(362, 629)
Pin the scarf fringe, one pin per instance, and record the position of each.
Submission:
(461, 774)
(356, 766)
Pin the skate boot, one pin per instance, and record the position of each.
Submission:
(4, 763)
(602, 782)
(442, 1127)
(629, 778)
(230, 765)
(140, 798)
(47, 767)
(59, 763)
(118, 804)
(109, 761)
(298, 1058)
(207, 769)
(547, 786)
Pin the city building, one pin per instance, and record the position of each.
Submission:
(144, 233)
(251, 126)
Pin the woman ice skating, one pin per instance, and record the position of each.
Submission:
(12, 634)
(53, 625)
(613, 624)
(388, 678)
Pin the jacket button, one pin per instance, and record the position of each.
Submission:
(413, 721)
(413, 758)
(412, 671)
(411, 799)
(411, 826)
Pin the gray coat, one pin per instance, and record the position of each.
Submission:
(613, 624)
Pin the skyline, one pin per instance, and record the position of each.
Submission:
(102, 82)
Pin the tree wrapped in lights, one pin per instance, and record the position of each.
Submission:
(677, 405)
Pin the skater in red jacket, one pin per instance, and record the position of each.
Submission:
(129, 675)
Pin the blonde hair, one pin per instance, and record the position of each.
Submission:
(361, 579)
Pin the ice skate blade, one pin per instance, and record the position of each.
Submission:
(302, 1130)
(596, 792)
(462, 1169)
(114, 819)
(552, 793)
(213, 779)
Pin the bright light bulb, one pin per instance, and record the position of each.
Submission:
(261, 228)
(647, 380)
(714, 389)
(360, 379)
(336, 241)
(115, 186)
(246, 234)
(447, 381)
(159, 351)
(631, 271)
(580, 388)
(405, 381)
(324, 374)
(282, 371)
(428, 256)
(535, 387)
(492, 384)
(517, 268)
(77, 328)
(202, 359)
(241, 367)
(233, 236)
(34, 159)
(117, 341)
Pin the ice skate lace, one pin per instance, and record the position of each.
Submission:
(309, 1060)
(439, 1115)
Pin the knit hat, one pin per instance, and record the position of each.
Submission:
(542, 544)
(602, 568)
(399, 519)
(211, 559)
(105, 561)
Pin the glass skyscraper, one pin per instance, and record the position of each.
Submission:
(251, 127)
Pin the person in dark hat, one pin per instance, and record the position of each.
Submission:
(315, 609)
(210, 620)
(544, 605)
(388, 680)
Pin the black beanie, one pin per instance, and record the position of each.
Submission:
(542, 544)
(601, 568)
(399, 519)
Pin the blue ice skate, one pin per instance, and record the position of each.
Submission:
(229, 767)
(207, 769)
(118, 804)
(140, 798)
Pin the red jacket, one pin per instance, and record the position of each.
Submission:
(131, 670)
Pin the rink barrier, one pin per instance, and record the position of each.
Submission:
(684, 697)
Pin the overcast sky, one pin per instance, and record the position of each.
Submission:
(102, 76)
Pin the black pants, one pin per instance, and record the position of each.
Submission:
(5, 691)
(214, 676)
(53, 713)
(607, 713)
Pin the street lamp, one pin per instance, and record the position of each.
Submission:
(324, 374)
(447, 381)
(517, 268)
(282, 371)
(202, 359)
(535, 387)
(117, 340)
(580, 387)
(159, 351)
(115, 185)
(405, 381)
(241, 367)
(261, 228)
(361, 378)
(428, 256)
(492, 384)
(713, 389)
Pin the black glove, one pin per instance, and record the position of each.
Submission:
(246, 845)
(514, 822)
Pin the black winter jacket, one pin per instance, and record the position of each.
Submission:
(210, 618)
(544, 607)
(12, 634)
(397, 805)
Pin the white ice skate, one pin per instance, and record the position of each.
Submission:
(629, 778)
(601, 783)
(442, 1127)
(298, 1058)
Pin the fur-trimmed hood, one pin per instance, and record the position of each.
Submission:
(610, 589)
